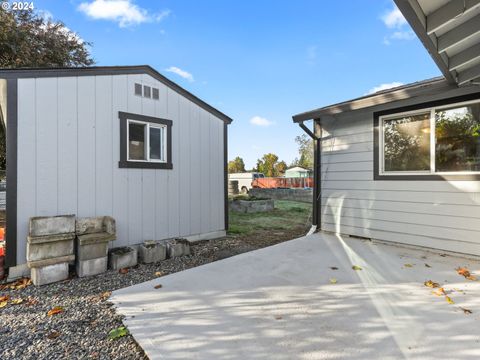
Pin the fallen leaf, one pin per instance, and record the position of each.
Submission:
(471, 278)
(118, 333)
(17, 301)
(3, 304)
(123, 271)
(466, 311)
(31, 301)
(463, 272)
(333, 281)
(55, 310)
(408, 265)
(426, 265)
(356, 267)
(333, 268)
(278, 317)
(431, 284)
(159, 286)
(4, 298)
(53, 335)
(439, 292)
(104, 296)
(159, 273)
(449, 300)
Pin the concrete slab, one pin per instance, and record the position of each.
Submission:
(279, 303)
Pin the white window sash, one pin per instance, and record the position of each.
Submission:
(146, 143)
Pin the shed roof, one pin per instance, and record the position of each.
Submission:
(297, 168)
(111, 70)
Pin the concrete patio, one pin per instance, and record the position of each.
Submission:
(279, 303)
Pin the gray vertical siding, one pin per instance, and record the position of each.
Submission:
(68, 153)
(435, 214)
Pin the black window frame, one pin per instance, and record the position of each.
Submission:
(124, 161)
(377, 175)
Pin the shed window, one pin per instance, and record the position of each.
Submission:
(145, 142)
(437, 140)
(155, 94)
(138, 89)
(147, 91)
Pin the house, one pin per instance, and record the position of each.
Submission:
(298, 172)
(403, 165)
(119, 141)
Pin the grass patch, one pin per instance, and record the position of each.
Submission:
(285, 216)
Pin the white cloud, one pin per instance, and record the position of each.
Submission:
(182, 73)
(403, 35)
(394, 19)
(124, 12)
(260, 121)
(384, 87)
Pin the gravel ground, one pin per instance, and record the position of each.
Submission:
(80, 331)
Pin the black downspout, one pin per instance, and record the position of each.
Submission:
(316, 136)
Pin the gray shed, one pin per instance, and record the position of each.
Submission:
(119, 141)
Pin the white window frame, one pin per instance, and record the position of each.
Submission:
(148, 125)
(432, 110)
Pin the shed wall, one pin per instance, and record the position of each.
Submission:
(436, 214)
(69, 148)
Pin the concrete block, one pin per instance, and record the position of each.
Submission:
(178, 247)
(122, 258)
(91, 267)
(49, 274)
(251, 206)
(91, 251)
(152, 252)
(51, 225)
(91, 225)
(51, 261)
(50, 249)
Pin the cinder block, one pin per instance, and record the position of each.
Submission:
(122, 258)
(51, 225)
(93, 225)
(49, 274)
(152, 252)
(91, 267)
(178, 247)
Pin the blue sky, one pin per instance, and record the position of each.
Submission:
(258, 61)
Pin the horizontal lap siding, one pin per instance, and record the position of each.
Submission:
(68, 153)
(436, 214)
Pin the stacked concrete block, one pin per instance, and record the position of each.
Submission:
(152, 252)
(50, 248)
(93, 236)
(123, 257)
(178, 247)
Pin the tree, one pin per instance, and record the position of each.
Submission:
(30, 40)
(270, 166)
(305, 150)
(236, 165)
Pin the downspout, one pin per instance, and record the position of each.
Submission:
(317, 163)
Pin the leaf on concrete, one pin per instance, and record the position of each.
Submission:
(117, 333)
(56, 310)
(356, 267)
(426, 265)
(431, 284)
(408, 265)
(159, 286)
(333, 281)
(334, 268)
(53, 335)
(123, 271)
(449, 300)
(466, 311)
(463, 272)
(17, 301)
(439, 292)
(471, 278)
(278, 317)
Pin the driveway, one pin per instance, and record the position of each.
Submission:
(282, 302)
